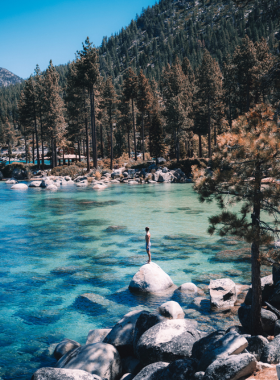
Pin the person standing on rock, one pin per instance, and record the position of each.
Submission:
(148, 244)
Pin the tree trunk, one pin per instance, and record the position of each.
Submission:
(101, 141)
(93, 127)
(128, 141)
(200, 145)
(52, 153)
(36, 134)
(230, 116)
(256, 324)
(55, 153)
(25, 143)
(209, 130)
(215, 135)
(87, 142)
(143, 144)
(111, 129)
(79, 150)
(43, 158)
(247, 95)
(134, 131)
(33, 149)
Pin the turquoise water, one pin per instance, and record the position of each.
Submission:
(56, 246)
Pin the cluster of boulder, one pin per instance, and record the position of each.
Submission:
(164, 345)
(101, 181)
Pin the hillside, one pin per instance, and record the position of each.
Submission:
(7, 78)
(168, 29)
(183, 28)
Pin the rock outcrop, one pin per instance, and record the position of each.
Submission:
(151, 279)
(222, 293)
(99, 358)
(168, 341)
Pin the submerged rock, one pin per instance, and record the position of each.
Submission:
(222, 293)
(168, 341)
(65, 346)
(65, 374)
(99, 358)
(151, 279)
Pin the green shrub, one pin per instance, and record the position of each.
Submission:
(7, 170)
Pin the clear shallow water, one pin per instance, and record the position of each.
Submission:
(57, 246)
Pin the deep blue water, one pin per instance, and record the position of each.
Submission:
(55, 246)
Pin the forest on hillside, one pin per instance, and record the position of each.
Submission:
(166, 85)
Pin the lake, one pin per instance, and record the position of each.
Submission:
(56, 246)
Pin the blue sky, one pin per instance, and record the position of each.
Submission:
(34, 32)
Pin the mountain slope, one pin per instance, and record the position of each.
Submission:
(7, 78)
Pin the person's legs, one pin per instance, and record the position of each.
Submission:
(149, 255)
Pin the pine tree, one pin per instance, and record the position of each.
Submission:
(87, 64)
(110, 102)
(209, 96)
(130, 94)
(158, 147)
(76, 110)
(177, 98)
(53, 109)
(125, 119)
(245, 58)
(144, 102)
(242, 159)
(28, 111)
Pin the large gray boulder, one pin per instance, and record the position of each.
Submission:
(19, 173)
(222, 293)
(181, 369)
(19, 186)
(35, 184)
(151, 279)
(168, 341)
(274, 298)
(271, 352)
(65, 346)
(1, 176)
(122, 334)
(165, 177)
(229, 344)
(151, 372)
(231, 368)
(256, 345)
(97, 335)
(267, 290)
(145, 321)
(99, 358)
(205, 343)
(63, 374)
(171, 310)
(46, 182)
(268, 319)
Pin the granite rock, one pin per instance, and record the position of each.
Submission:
(65, 346)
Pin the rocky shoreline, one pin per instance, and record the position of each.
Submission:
(165, 345)
(100, 181)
